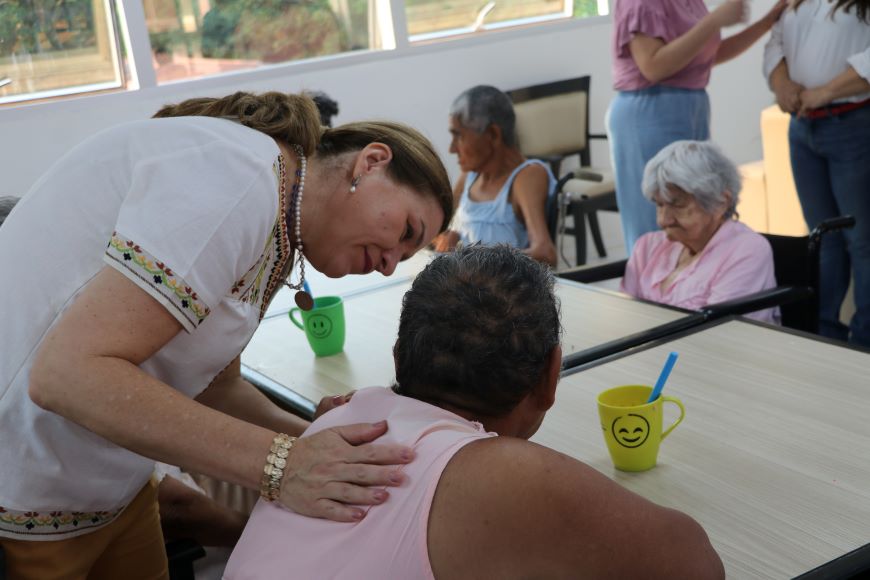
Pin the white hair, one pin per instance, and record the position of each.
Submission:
(697, 167)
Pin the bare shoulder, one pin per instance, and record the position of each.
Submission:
(510, 508)
(533, 177)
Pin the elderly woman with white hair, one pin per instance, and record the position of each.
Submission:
(702, 255)
(501, 196)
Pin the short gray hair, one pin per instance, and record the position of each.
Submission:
(484, 105)
(7, 202)
(698, 168)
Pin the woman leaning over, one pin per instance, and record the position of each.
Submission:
(818, 63)
(663, 52)
(161, 243)
(702, 255)
(500, 197)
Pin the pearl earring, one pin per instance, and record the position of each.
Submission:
(354, 182)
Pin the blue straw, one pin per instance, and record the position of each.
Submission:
(666, 371)
(307, 288)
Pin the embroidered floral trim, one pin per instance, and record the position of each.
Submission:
(54, 523)
(159, 276)
(274, 257)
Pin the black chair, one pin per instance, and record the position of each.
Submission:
(181, 555)
(796, 266)
(553, 124)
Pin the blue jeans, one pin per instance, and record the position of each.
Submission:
(830, 160)
(639, 124)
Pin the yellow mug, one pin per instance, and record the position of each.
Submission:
(632, 427)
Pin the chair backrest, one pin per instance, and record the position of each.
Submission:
(796, 263)
(553, 118)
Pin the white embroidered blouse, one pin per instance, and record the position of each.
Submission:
(189, 209)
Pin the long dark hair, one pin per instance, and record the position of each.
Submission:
(862, 8)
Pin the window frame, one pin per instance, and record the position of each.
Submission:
(133, 32)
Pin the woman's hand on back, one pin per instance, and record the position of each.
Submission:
(329, 403)
(333, 472)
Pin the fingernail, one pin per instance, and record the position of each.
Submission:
(407, 455)
(380, 496)
(395, 478)
(337, 400)
(357, 515)
(380, 424)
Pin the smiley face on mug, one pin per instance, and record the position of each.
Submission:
(319, 326)
(630, 430)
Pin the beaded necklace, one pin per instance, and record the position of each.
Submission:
(303, 298)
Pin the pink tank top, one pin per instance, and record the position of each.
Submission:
(391, 541)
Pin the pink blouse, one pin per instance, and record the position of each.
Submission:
(736, 261)
(391, 541)
(666, 20)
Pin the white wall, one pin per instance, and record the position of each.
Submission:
(415, 86)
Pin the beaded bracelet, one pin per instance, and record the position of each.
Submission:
(273, 471)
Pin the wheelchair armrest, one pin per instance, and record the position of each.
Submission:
(833, 224)
(758, 301)
(597, 273)
(587, 175)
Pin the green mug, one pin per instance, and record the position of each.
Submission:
(323, 325)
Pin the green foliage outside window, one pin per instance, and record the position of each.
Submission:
(38, 26)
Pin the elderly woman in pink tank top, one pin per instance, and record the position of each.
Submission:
(702, 255)
(477, 356)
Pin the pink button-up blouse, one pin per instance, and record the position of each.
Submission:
(735, 262)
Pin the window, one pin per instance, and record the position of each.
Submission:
(52, 48)
(57, 47)
(429, 19)
(194, 38)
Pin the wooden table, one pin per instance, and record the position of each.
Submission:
(347, 286)
(280, 355)
(773, 457)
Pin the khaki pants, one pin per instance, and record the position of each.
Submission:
(129, 548)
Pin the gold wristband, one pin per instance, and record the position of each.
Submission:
(273, 470)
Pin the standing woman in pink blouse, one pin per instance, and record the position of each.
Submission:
(663, 51)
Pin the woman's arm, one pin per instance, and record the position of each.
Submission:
(573, 521)
(446, 241)
(233, 395)
(734, 46)
(658, 60)
(788, 92)
(845, 84)
(188, 513)
(529, 199)
(87, 371)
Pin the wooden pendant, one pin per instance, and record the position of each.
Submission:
(304, 300)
